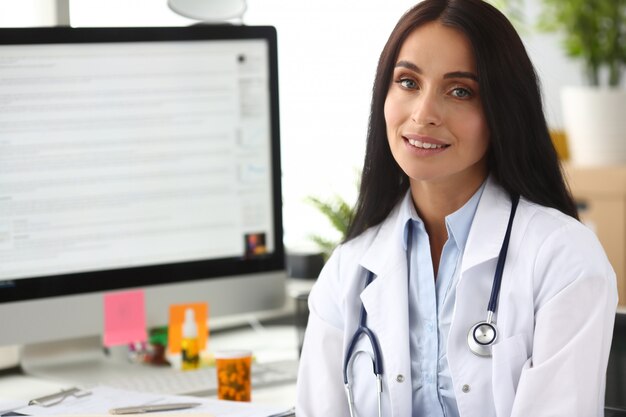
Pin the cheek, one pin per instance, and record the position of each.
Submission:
(392, 113)
(475, 125)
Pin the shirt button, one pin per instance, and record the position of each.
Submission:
(400, 378)
(466, 388)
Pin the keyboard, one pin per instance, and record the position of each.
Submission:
(203, 381)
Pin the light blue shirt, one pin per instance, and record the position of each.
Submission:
(431, 304)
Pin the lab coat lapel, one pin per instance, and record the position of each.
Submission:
(386, 303)
(488, 227)
(472, 296)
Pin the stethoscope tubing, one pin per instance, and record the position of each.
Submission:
(476, 346)
(497, 278)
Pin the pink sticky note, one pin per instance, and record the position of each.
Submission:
(124, 318)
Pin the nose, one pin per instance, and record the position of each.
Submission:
(427, 109)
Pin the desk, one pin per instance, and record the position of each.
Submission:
(269, 343)
(602, 191)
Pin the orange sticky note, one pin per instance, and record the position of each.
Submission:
(177, 317)
(124, 318)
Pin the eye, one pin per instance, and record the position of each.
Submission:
(460, 92)
(407, 83)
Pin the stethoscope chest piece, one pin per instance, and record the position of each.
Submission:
(481, 337)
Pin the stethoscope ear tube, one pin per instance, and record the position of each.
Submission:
(375, 356)
(348, 386)
(363, 329)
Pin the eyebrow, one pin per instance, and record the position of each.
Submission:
(454, 74)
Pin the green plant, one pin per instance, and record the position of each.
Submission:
(594, 31)
(339, 213)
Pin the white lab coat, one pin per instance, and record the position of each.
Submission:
(555, 319)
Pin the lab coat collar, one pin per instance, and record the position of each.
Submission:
(386, 254)
(489, 226)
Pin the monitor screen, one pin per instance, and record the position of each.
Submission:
(138, 158)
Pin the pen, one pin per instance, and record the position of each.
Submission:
(140, 409)
(53, 399)
(289, 413)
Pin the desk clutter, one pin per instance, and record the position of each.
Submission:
(177, 359)
(158, 371)
(273, 368)
(273, 375)
(184, 338)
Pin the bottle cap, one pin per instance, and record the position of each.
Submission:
(190, 327)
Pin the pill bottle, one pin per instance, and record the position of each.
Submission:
(233, 375)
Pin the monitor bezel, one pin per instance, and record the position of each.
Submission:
(13, 290)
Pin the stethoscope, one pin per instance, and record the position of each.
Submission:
(480, 337)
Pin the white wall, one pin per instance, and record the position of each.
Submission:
(24, 13)
(328, 51)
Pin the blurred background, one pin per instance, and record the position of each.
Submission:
(328, 51)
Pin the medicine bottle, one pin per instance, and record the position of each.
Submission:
(189, 345)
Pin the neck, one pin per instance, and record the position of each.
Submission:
(433, 202)
(436, 200)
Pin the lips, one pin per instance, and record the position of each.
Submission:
(424, 142)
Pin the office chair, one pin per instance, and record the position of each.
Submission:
(614, 412)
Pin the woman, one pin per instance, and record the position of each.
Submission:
(457, 135)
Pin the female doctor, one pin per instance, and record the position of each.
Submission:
(466, 286)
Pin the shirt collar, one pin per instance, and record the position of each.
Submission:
(457, 223)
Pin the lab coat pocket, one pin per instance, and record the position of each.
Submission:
(509, 356)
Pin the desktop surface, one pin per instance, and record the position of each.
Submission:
(274, 348)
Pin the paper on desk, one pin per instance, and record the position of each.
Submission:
(10, 405)
(102, 399)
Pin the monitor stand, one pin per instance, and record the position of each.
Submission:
(9, 358)
(81, 360)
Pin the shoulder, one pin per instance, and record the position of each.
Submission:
(549, 251)
(560, 251)
(545, 226)
(546, 220)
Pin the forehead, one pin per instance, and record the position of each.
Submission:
(438, 47)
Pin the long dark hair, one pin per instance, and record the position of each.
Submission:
(521, 155)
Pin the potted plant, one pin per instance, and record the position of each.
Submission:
(339, 213)
(594, 120)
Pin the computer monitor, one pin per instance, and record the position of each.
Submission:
(137, 158)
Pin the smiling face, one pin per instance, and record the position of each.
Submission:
(436, 127)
